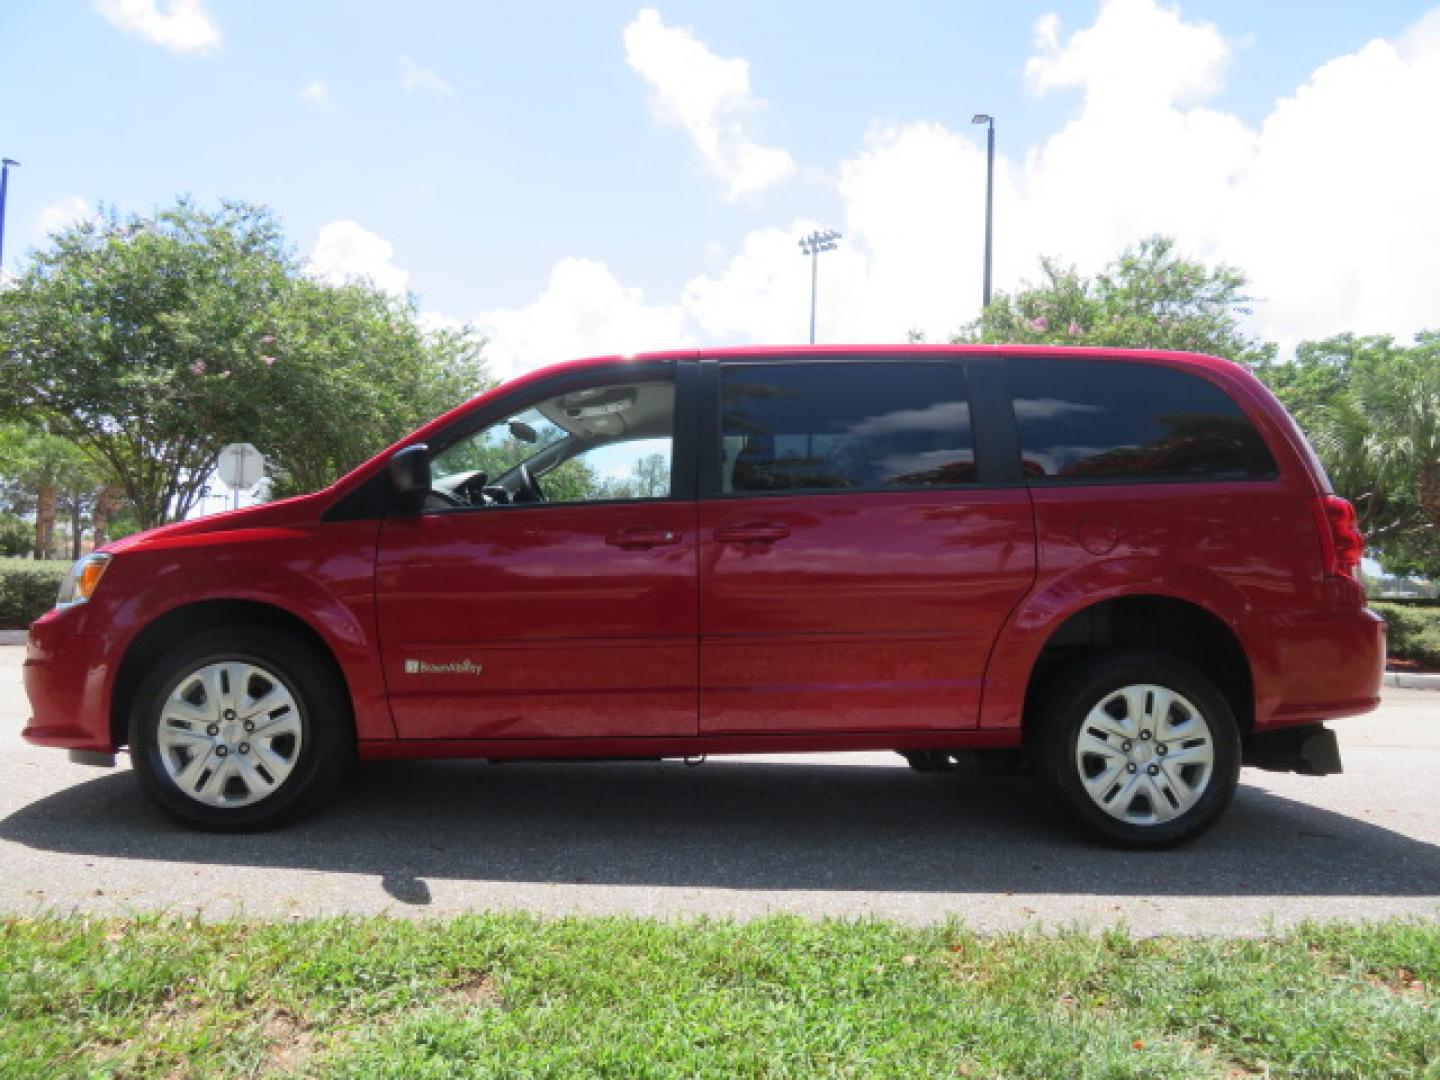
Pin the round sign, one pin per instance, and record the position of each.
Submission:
(241, 466)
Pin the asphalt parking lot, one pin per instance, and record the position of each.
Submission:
(830, 834)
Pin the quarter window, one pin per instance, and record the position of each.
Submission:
(1086, 420)
(829, 427)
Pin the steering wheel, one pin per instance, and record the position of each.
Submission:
(529, 491)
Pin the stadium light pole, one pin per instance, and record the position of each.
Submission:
(813, 245)
(5, 164)
(989, 122)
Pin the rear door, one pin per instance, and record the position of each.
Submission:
(862, 539)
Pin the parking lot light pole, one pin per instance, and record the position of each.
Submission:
(813, 245)
(989, 122)
(5, 164)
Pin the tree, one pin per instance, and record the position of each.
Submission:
(1371, 408)
(347, 370)
(46, 475)
(1150, 297)
(150, 343)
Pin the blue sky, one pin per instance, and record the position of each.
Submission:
(545, 170)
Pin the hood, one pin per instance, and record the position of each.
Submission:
(299, 510)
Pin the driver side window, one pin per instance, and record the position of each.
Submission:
(597, 444)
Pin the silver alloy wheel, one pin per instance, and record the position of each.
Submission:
(229, 733)
(1145, 754)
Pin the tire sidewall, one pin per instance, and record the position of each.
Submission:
(1081, 689)
(324, 724)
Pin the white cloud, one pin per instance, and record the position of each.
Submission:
(1327, 203)
(415, 78)
(1331, 241)
(583, 311)
(710, 97)
(317, 93)
(182, 26)
(60, 214)
(347, 251)
(1137, 51)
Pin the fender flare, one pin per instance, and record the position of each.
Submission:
(1034, 621)
(277, 586)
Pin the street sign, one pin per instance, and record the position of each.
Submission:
(241, 466)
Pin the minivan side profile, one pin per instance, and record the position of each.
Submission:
(1123, 570)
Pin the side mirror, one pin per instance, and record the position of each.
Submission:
(410, 476)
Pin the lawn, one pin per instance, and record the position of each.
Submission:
(518, 996)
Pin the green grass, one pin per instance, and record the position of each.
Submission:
(517, 996)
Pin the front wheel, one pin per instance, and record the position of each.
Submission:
(240, 728)
(1142, 750)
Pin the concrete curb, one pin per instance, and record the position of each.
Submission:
(13, 637)
(1410, 680)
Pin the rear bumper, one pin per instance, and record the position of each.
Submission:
(1330, 665)
(65, 676)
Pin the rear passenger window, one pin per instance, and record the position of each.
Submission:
(1086, 420)
(829, 427)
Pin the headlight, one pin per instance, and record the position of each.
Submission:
(79, 584)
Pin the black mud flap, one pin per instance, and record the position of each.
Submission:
(1310, 750)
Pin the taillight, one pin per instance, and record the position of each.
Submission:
(1341, 544)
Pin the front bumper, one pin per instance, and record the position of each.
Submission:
(66, 674)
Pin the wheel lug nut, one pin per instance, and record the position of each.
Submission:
(1161, 748)
(1153, 770)
(229, 715)
(221, 751)
(1125, 745)
(1144, 735)
(212, 730)
(244, 748)
(1130, 767)
(249, 725)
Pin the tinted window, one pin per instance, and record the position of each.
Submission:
(1092, 420)
(824, 427)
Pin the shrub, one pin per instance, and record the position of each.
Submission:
(17, 536)
(27, 589)
(1414, 632)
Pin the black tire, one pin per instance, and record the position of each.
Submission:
(322, 750)
(1064, 712)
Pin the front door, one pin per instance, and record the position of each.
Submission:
(854, 570)
(548, 589)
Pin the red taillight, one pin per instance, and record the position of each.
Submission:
(1340, 541)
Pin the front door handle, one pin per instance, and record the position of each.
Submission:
(639, 538)
(752, 532)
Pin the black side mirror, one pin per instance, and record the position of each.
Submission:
(410, 476)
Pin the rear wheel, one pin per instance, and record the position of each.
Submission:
(240, 728)
(1142, 750)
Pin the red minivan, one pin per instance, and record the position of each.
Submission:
(1123, 571)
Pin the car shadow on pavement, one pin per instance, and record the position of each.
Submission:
(743, 825)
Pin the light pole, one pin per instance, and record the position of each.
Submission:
(4, 186)
(989, 122)
(813, 245)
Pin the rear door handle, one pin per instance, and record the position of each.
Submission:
(752, 532)
(640, 537)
